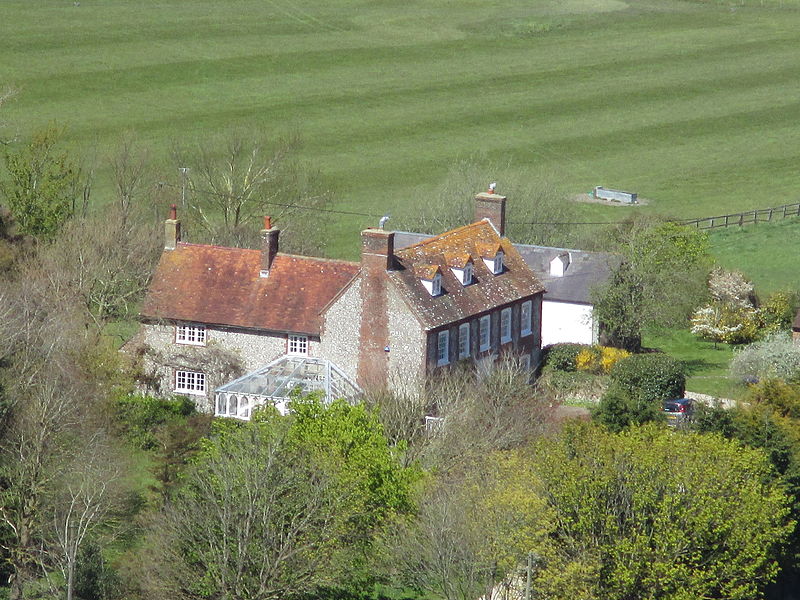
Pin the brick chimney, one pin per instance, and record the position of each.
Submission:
(377, 257)
(489, 205)
(269, 246)
(172, 229)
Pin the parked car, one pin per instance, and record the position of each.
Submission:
(679, 411)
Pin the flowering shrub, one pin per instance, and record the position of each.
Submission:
(774, 356)
(598, 359)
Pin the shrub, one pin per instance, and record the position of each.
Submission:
(139, 416)
(778, 312)
(598, 359)
(588, 359)
(726, 323)
(619, 409)
(776, 356)
(650, 377)
(562, 357)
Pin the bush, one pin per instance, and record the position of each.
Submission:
(776, 356)
(139, 416)
(562, 357)
(619, 409)
(598, 359)
(650, 377)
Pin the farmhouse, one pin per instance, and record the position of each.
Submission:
(568, 276)
(234, 328)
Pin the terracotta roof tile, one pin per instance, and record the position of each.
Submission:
(221, 286)
(458, 302)
(426, 271)
(457, 260)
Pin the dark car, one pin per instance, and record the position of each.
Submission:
(678, 411)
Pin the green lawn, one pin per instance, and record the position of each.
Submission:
(707, 364)
(694, 105)
(767, 253)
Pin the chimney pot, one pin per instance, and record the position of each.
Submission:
(173, 212)
(267, 222)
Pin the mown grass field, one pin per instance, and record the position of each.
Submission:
(767, 253)
(694, 105)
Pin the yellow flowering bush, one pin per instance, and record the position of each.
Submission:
(598, 359)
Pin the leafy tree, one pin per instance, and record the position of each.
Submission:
(43, 184)
(654, 514)
(659, 282)
(731, 288)
(280, 506)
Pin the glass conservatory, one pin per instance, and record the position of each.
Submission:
(274, 384)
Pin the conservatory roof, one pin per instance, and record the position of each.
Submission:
(279, 378)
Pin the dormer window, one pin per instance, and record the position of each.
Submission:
(464, 274)
(460, 264)
(492, 255)
(494, 263)
(559, 265)
(431, 278)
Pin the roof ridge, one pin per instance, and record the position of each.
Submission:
(216, 246)
(447, 233)
(320, 259)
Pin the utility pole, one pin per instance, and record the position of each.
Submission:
(528, 579)
(184, 171)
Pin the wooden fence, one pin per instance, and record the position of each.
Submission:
(745, 218)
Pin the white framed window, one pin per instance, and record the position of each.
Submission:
(194, 335)
(297, 345)
(433, 424)
(436, 285)
(233, 405)
(190, 382)
(443, 348)
(468, 270)
(505, 325)
(463, 340)
(498, 263)
(525, 318)
(484, 332)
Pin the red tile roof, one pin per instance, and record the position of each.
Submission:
(221, 286)
(458, 302)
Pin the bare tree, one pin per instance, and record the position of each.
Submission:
(79, 501)
(32, 453)
(479, 408)
(534, 203)
(234, 181)
(129, 166)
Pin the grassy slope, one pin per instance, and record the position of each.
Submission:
(694, 105)
(766, 253)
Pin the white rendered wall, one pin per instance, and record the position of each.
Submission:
(566, 322)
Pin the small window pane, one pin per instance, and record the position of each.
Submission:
(443, 348)
(505, 325)
(485, 332)
(525, 318)
(463, 340)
